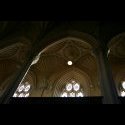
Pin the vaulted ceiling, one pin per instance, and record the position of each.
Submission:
(52, 67)
(117, 58)
(17, 39)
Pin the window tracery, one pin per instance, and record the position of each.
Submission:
(22, 90)
(72, 89)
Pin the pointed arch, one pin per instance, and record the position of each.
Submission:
(55, 37)
(72, 74)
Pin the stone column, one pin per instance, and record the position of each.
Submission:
(107, 84)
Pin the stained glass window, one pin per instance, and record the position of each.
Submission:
(72, 89)
(23, 90)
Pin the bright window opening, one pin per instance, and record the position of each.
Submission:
(72, 90)
(22, 90)
(123, 84)
(123, 94)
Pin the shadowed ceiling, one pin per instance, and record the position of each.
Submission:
(52, 67)
(18, 39)
(117, 58)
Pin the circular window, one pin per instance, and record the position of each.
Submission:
(76, 87)
(21, 87)
(69, 87)
(22, 90)
(72, 89)
(27, 88)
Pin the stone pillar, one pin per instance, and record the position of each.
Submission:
(107, 84)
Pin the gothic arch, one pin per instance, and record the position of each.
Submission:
(73, 74)
(117, 38)
(117, 59)
(53, 59)
(52, 38)
(12, 57)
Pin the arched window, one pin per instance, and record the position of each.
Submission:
(23, 90)
(72, 89)
(122, 91)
